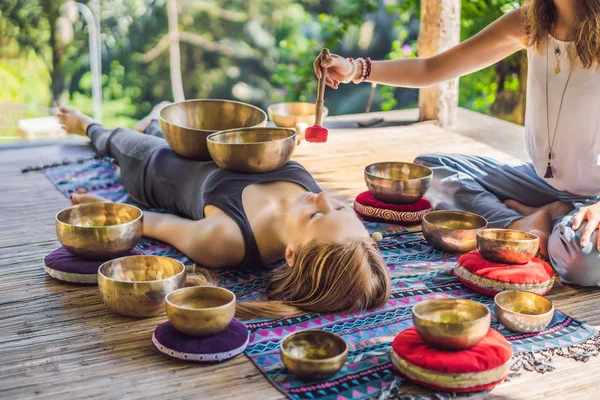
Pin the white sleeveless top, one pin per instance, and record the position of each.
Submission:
(576, 149)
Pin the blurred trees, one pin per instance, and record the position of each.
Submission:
(258, 51)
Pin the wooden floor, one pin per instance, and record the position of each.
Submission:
(59, 341)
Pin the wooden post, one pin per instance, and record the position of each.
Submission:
(439, 30)
(175, 57)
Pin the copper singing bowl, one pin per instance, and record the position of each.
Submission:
(398, 182)
(523, 312)
(287, 115)
(452, 231)
(187, 124)
(200, 310)
(507, 246)
(451, 324)
(252, 150)
(136, 286)
(99, 231)
(313, 355)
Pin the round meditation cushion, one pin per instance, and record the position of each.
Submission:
(368, 207)
(481, 367)
(490, 278)
(64, 266)
(220, 347)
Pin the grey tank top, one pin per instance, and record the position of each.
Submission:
(186, 187)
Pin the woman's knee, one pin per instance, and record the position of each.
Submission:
(575, 264)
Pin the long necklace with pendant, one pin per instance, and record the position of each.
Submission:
(557, 55)
(549, 172)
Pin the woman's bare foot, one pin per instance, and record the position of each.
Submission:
(87, 198)
(74, 121)
(154, 114)
(558, 209)
(539, 223)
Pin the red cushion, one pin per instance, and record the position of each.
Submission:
(367, 206)
(490, 278)
(368, 199)
(481, 367)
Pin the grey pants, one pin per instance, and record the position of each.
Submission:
(480, 185)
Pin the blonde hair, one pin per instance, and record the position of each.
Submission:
(325, 277)
(540, 16)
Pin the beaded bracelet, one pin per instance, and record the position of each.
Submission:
(361, 78)
(368, 60)
(354, 70)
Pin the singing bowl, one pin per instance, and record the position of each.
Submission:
(313, 355)
(136, 286)
(252, 150)
(398, 182)
(523, 312)
(451, 324)
(287, 115)
(187, 124)
(200, 310)
(507, 246)
(99, 231)
(452, 231)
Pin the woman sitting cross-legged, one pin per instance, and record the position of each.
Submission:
(225, 219)
(557, 194)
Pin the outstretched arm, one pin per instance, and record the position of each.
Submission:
(500, 39)
(208, 241)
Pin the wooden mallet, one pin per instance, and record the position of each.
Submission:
(316, 133)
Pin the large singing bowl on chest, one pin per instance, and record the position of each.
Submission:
(187, 124)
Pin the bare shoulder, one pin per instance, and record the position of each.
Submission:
(514, 23)
(218, 242)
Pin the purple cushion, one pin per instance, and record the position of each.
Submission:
(220, 347)
(62, 260)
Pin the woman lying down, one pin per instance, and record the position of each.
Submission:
(329, 261)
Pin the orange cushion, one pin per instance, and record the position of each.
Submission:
(490, 278)
(481, 367)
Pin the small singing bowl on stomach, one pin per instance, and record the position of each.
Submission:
(398, 182)
(288, 115)
(252, 150)
(523, 312)
(452, 231)
(451, 324)
(200, 310)
(313, 355)
(187, 124)
(507, 246)
(136, 286)
(99, 231)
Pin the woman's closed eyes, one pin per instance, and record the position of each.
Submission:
(342, 208)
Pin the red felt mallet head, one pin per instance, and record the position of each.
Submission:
(316, 133)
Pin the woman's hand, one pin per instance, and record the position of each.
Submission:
(590, 214)
(338, 69)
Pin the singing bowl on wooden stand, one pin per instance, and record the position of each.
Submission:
(99, 231)
(187, 124)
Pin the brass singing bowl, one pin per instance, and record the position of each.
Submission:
(99, 231)
(200, 310)
(398, 182)
(187, 124)
(507, 246)
(136, 286)
(313, 355)
(288, 115)
(452, 231)
(451, 324)
(252, 150)
(523, 312)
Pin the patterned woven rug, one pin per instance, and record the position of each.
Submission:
(418, 272)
